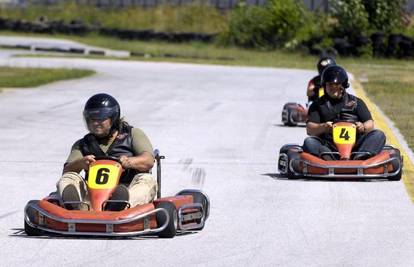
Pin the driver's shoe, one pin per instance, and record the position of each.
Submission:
(327, 157)
(120, 194)
(361, 157)
(71, 194)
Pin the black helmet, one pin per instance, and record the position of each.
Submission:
(325, 62)
(335, 74)
(102, 106)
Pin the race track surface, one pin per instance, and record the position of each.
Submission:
(220, 130)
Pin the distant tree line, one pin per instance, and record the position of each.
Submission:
(379, 28)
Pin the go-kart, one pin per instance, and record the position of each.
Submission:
(295, 163)
(165, 216)
(293, 114)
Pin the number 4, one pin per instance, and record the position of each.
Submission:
(344, 134)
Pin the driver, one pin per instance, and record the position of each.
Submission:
(313, 91)
(109, 135)
(335, 105)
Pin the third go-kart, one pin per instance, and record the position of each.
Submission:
(295, 163)
(165, 216)
(294, 114)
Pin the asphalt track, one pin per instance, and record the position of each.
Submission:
(219, 128)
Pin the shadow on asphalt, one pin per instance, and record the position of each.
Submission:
(280, 177)
(286, 126)
(19, 233)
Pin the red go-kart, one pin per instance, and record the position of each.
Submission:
(294, 114)
(295, 163)
(186, 211)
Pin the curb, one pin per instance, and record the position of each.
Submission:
(393, 138)
(70, 50)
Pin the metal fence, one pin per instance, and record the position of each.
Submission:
(221, 4)
(314, 5)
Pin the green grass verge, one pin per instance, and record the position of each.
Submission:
(25, 77)
(195, 17)
(390, 83)
(392, 89)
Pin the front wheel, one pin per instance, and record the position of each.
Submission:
(171, 229)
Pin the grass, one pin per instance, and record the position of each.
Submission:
(195, 52)
(195, 17)
(24, 77)
(392, 89)
(390, 82)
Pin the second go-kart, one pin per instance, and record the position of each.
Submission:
(295, 163)
(188, 210)
(294, 114)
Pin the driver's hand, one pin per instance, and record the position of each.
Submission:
(86, 160)
(360, 127)
(310, 89)
(328, 126)
(126, 164)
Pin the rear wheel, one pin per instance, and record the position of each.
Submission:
(200, 198)
(288, 113)
(171, 229)
(31, 231)
(290, 117)
(30, 212)
(395, 155)
(396, 177)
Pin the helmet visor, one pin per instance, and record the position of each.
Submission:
(99, 113)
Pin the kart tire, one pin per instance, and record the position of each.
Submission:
(397, 154)
(292, 156)
(290, 112)
(171, 229)
(31, 231)
(396, 177)
(290, 120)
(200, 198)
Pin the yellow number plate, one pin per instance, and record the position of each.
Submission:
(103, 176)
(344, 134)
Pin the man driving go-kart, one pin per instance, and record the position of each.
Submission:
(294, 113)
(343, 142)
(315, 89)
(109, 135)
(117, 195)
(338, 105)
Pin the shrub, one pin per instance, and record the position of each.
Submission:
(270, 26)
(352, 18)
(384, 15)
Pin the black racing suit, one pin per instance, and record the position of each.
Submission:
(348, 108)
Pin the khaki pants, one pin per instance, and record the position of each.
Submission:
(142, 189)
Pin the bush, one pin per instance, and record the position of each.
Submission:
(384, 15)
(249, 27)
(352, 18)
(192, 17)
(270, 26)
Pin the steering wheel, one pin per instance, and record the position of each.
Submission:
(108, 158)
